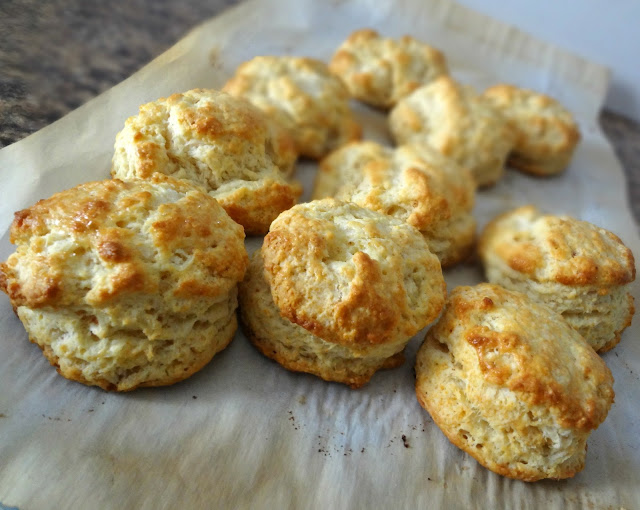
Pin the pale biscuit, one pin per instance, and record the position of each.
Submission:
(349, 287)
(546, 134)
(381, 71)
(578, 269)
(457, 122)
(223, 143)
(413, 183)
(510, 383)
(303, 96)
(126, 284)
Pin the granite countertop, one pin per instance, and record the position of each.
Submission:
(58, 54)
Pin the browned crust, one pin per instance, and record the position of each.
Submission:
(572, 268)
(255, 211)
(534, 382)
(89, 214)
(362, 317)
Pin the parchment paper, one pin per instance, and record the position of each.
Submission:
(245, 433)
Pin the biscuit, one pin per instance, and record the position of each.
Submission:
(299, 350)
(545, 133)
(338, 291)
(303, 96)
(381, 71)
(413, 183)
(578, 269)
(126, 284)
(510, 383)
(457, 122)
(223, 143)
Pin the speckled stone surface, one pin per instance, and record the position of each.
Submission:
(57, 54)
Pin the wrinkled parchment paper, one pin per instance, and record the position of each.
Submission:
(245, 433)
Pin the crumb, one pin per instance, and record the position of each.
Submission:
(404, 441)
(302, 399)
(194, 397)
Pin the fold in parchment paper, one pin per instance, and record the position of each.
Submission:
(245, 433)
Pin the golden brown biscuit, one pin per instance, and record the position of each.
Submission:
(220, 142)
(457, 122)
(303, 96)
(510, 383)
(413, 183)
(338, 290)
(581, 271)
(381, 71)
(545, 133)
(126, 284)
(299, 350)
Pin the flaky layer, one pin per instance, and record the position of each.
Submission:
(123, 349)
(126, 284)
(599, 315)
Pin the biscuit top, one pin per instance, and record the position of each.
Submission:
(380, 71)
(413, 183)
(285, 85)
(206, 136)
(105, 239)
(303, 96)
(350, 275)
(454, 120)
(301, 73)
(510, 342)
(542, 123)
(557, 249)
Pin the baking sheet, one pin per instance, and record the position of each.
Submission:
(245, 433)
